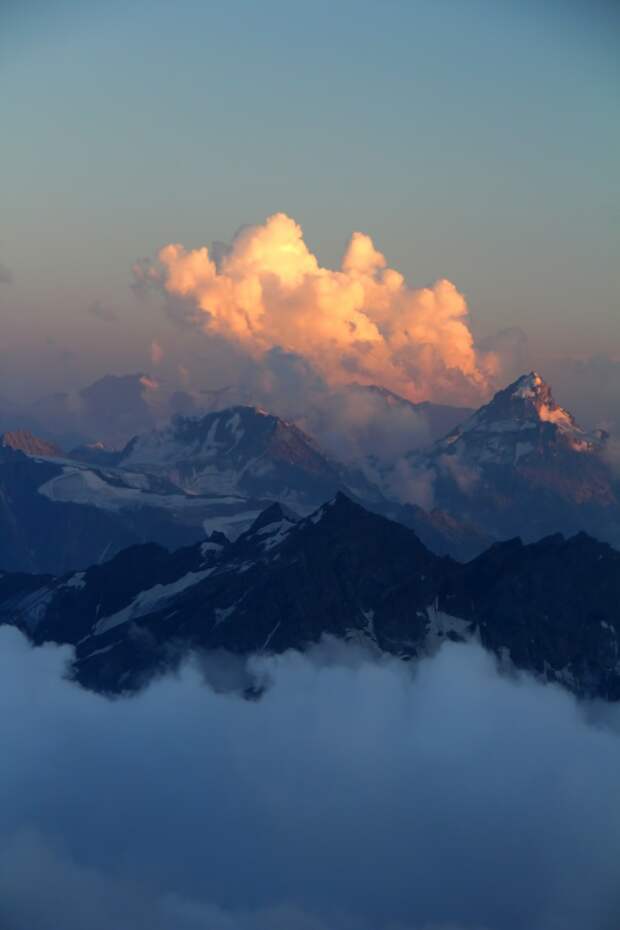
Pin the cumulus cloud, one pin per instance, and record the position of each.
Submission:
(361, 322)
(356, 794)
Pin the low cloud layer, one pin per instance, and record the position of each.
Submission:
(361, 322)
(355, 795)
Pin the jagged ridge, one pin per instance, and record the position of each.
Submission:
(550, 608)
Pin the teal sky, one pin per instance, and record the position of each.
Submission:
(475, 140)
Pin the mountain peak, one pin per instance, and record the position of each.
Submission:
(521, 420)
(530, 392)
(530, 385)
(343, 509)
(272, 515)
(22, 440)
(527, 402)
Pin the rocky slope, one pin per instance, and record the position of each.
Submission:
(245, 451)
(551, 608)
(57, 514)
(521, 465)
(22, 440)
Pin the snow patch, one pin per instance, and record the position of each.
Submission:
(152, 599)
(76, 581)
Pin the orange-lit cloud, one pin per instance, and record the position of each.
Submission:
(359, 323)
(149, 383)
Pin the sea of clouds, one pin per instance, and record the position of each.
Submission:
(356, 794)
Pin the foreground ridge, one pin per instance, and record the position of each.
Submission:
(550, 608)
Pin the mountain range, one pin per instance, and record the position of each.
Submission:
(57, 514)
(214, 473)
(550, 608)
(520, 466)
(234, 531)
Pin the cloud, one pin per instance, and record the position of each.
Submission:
(349, 421)
(464, 475)
(354, 795)
(361, 322)
(411, 485)
(102, 312)
(156, 353)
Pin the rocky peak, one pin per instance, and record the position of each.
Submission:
(21, 440)
(526, 410)
(528, 398)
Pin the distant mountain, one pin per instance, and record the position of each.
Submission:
(550, 608)
(113, 409)
(522, 466)
(116, 406)
(95, 453)
(58, 514)
(441, 532)
(245, 451)
(438, 419)
(372, 426)
(22, 440)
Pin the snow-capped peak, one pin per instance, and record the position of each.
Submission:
(537, 394)
(521, 416)
(529, 386)
(527, 402)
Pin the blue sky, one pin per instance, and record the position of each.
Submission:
(473, 140)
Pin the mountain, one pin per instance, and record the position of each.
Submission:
(550, 608)
(438, 419)
(244, 451)
(112, 409)
(522, 466)
(440, 531)
(520, 420)
(22, 440)
(171, 486)
(59, 514)
(95, 453)
(117, 406)
(372, 426)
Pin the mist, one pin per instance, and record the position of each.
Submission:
(357, 794)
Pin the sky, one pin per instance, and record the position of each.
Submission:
(473, 141)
